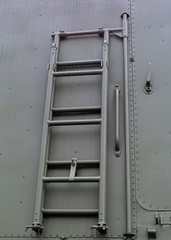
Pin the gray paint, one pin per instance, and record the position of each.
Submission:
(25, 45)
(151, 43)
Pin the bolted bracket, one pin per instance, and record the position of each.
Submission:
(101, 227)
(36, 227)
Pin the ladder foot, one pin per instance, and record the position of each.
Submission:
(36, 227)
(101, 227)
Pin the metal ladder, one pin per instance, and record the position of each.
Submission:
(50, 111)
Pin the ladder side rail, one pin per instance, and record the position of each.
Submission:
(38, 215)
(103, 145)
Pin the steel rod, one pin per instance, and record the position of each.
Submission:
(66, 179)
(69, 162)
(45, 137)
(70, 211)
(74, 122)
(77, 109)
(88, 32)
(117, 121)
(77, 73)
(127, 141)
(80, 62)
(103, 144)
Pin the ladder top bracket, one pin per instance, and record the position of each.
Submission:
(99, 31)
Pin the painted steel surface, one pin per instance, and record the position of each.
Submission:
(25, 44)
(151, 44)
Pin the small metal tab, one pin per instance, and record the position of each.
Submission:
(151, 232)
(73, 169)
(148, 89)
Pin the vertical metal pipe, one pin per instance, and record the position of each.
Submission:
(103, 151)
(117, 115)
(37, 223)
(127, 141)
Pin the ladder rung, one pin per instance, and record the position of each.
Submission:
(70, 211)
(74, 122)
(76, 110)
(69, 162)
(77, 73)
(81, 62)
(66, 179)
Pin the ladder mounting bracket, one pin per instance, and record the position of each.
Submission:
(101, 227)
(119, 35)
(36, 227)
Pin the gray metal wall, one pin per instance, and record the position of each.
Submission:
(25, 43)
(152, 117)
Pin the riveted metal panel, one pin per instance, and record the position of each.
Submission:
(151, 43)
(152, 113)
(25, 44)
